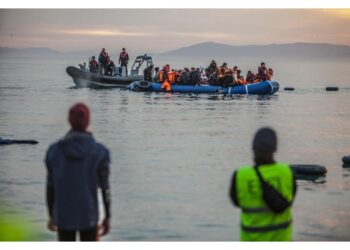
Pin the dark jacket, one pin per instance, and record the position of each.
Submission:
(76, 167)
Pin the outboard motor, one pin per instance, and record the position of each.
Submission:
(140, 86)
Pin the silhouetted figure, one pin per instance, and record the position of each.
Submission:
(76, 167)
(124, 59)
(260, 221)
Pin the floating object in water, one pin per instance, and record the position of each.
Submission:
(346, 161)
(261, 88)
(306, 171)
(8, 142)
(289, 88)
(332, 88)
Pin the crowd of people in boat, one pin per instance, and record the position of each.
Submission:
(212, 75)
(105, 65)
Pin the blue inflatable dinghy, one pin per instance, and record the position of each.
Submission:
(261, 88)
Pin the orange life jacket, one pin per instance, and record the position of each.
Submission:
(166, 85)
(161, 76)
(171, 77)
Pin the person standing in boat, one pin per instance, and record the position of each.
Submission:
(102, 59)
(93, 65)
(77, 166)
(124, 59)
(261, 219)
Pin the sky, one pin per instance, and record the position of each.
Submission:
(160, 30)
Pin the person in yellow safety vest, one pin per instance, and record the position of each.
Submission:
(258, 221)
(168, 78)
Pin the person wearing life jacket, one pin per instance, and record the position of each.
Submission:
(109, 67)
(124, 59)
(163, 74)
(240, 78)
(147, 73)
(102, 59)
(258, 220)
(262, 72)
(93, 65)
(168, 78)
(223, 69)
(269, 74)
(250, 77)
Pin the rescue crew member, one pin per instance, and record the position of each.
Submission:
(93, 65)
(147, 73)
(109, 67)
(77, 166)
(258, 222)
(124, 59)
(102, 59)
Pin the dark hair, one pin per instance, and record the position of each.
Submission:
(265, 141)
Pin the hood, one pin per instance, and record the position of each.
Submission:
(76, 144)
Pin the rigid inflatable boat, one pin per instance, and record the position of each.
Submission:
(82, 77)
(261, 88)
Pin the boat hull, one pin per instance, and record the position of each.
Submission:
(261, 88)
(86, 79)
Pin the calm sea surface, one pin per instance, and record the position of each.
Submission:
(173, 155)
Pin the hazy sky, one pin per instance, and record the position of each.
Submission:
(165, 29)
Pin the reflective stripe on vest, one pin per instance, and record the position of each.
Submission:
(266, 228)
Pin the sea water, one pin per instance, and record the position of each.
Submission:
(173, 155)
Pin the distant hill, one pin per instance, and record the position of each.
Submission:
(211, 49)
(43, 52)
(214, 50)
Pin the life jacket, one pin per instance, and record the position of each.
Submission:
(171, 77)
(258, 222)
(166, 85)
(162, 74)
(124, 56)
(262, 73)
(103, 57)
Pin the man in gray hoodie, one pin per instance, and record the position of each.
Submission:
(76, 167)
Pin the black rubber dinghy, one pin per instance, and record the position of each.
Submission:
(346, 161)
(332, 88)
(302, 170)
(9, 142)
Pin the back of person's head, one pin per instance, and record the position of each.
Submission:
(156, 68)
(123, 49)
(235, 67)
(93, 57)
(265, 141)
(79, 117)
(103, 49)
(262, 64)
(239, 71)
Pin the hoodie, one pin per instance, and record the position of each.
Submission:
(77, 166)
